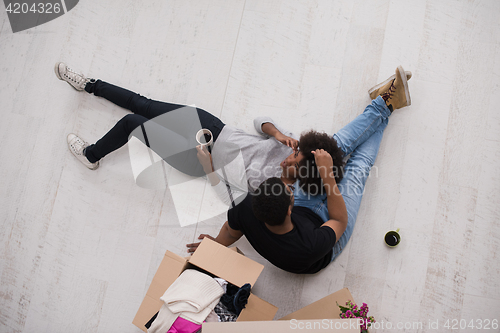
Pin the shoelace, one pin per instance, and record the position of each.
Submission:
(78, 149)
(390, 92)
(74, 76)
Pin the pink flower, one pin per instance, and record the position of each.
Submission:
(353, 311)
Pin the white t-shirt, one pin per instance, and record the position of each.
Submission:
(242, 161)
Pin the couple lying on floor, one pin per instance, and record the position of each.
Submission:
(303, 200)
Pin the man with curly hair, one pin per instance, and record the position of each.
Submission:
(302, 233)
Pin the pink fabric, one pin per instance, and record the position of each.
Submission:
(182, 325)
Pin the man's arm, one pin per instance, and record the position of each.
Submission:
(337, 210)
(226, 237)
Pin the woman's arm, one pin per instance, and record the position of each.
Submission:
(224, 190)
(271, 130)
(205, 159)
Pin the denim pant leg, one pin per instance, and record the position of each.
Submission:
(316, 203)
(361, 138)
(352, 186)
(348, 138)
(362, 127)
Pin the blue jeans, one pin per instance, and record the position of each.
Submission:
(361, 139)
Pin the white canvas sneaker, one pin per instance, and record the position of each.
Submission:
(76, 145)
(76, 80)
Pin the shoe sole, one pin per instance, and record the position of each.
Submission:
(56, 70)
(402, 75)
(96, 166)
(372, 89)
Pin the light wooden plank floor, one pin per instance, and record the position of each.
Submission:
(79, 247)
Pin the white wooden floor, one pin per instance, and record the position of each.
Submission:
(79, 247)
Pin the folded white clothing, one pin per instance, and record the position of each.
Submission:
(212, 317)
(223, 283)
(199, 317)
(163, 321)
(165, 318)
(192, 291)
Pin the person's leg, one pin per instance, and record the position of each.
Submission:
(356, 133)
(363, 126)
(129, 100)
(350, 137)
(171, 134)
(316, 203)
(115, 138)
(172, 147)
(138, 104)
(158, 123)
(352, 186)
(152, 109)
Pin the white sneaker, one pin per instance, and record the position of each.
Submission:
(76, 145)
(76, 80)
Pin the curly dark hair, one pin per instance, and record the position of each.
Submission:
(270, 201)
(309, 178)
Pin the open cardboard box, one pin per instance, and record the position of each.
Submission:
(226, 263)
(320, 316)
(234, 267)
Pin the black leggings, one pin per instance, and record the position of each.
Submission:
(145, 109)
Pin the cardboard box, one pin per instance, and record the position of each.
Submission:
(325, 308)
(217, 259)
(284, 326)
(258, 315)
(320, 316)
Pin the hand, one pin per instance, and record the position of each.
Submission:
(193, 246)
(205, 158)
(287, 141)
(324, 163)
